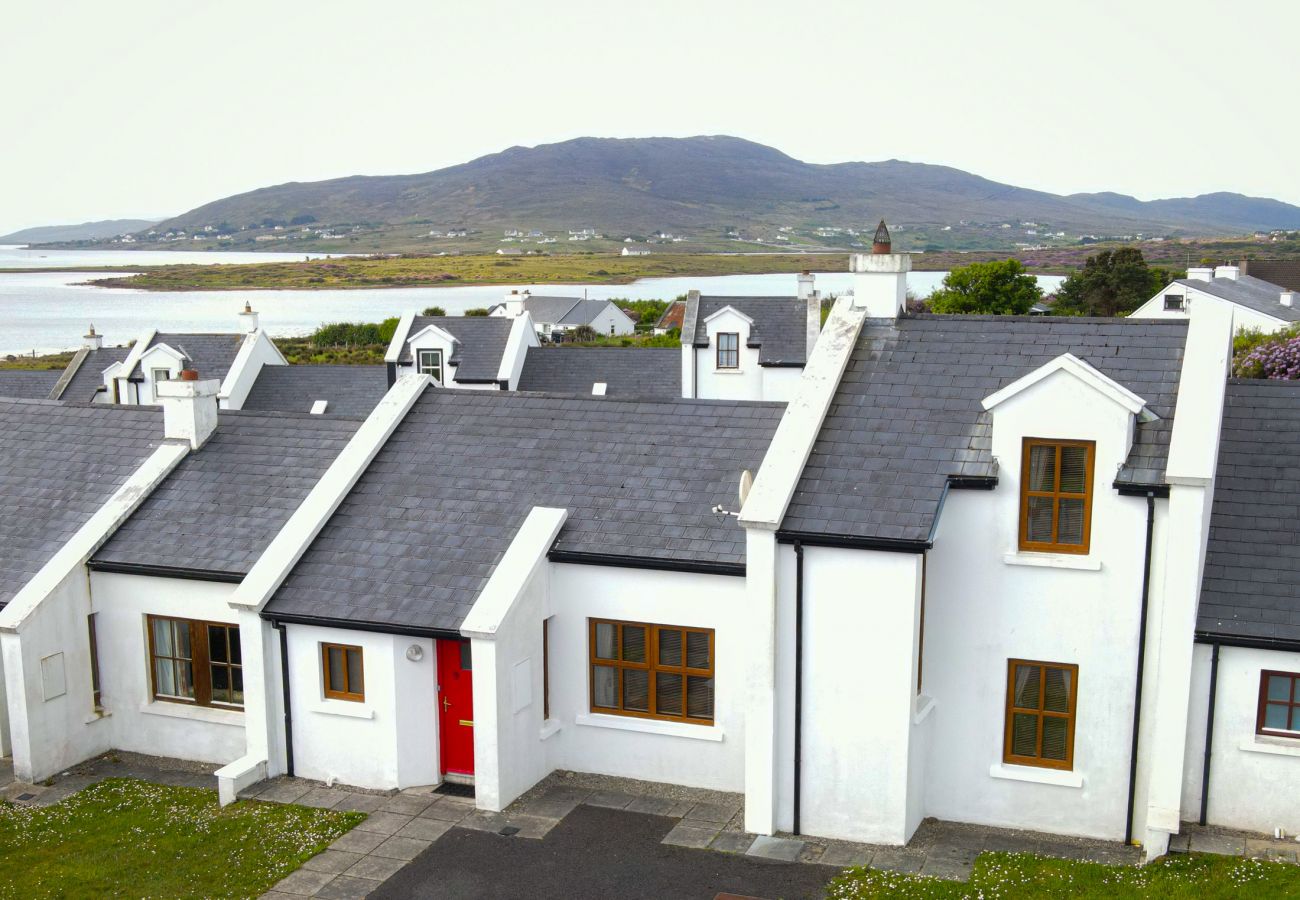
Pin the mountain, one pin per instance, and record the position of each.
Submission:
(86, 231)
(638, 185)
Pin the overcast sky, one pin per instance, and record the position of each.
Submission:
(152, 108)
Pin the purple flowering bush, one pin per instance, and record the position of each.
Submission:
(1278, 359)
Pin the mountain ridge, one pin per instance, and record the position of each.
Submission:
(84, 231)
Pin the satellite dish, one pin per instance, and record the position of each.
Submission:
(746, 482)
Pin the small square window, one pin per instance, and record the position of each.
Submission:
(341, 665)
(429, 362)
(1174, 302)
(1279, 704)
(728, 350)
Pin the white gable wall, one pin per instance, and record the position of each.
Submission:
(612, 320)
(256, 351)
(780, 383)
(1195, 300)
(742, 383)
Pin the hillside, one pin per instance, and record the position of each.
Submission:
(705, 185)
(86, 231)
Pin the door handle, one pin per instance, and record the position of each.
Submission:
(446, 704)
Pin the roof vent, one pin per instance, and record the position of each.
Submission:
(881, 243)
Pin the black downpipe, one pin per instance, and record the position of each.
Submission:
(798, 682)
(1142, 658)
(1209, 733)
(288, 706)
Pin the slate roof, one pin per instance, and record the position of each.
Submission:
(550, 310)
(419, 535)
(584, 312)
(89, 377)
(1251, 587)
(220, 508)
(779, 330)
(211, 354)
(672, 316)
(29, 384)
(59, 463)
(1250, 292)
(908, 415)
(626, 371)
(348, 390)
(480, 344)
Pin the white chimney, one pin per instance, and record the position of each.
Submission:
(812, 312)
(248, 319)
(1200, 274)
(880, 278)
(189, 408)
(515, 303)
(1288, 298)
(805, 285)
(1228, 272)
(92, 341)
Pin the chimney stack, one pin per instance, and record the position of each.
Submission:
(812, 312)
(515, 303)
(1228, 272)
(880, 278)
(248, 319)
(92, 341)
(1202, 273)
(189, 408)
(1288, 298)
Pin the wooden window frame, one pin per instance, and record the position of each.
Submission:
(720, 351)
(1010, 709)
(332, 693)
(200, 663)
(1293, 703)
(1056, 495)
(651, 666)
(419, 366)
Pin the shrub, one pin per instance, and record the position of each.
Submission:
(1278, 358)
(434, 311)
(477, 311)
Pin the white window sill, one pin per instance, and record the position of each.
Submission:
(1053, 561)
(345, 708)
(650, 726)
(1277, 746)
(1035, 775)
(549, 728)
(924, 706)
(97, 715)
(728, 371)
(212, 714)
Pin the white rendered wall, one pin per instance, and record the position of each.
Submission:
(608, 745)
(136, 721)
(987, 603)
(1254, 779)
(780, 383)
(612, 316)
(388, 741)
(257, 350)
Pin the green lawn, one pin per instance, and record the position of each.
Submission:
(1023, 876)
(128, 838)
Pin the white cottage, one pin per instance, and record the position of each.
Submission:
(1253, 302)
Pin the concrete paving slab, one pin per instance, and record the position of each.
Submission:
(402, 848)
(360, 802)
(446, 812)
(332, 861)
(322, 798)
(733, 841)
(608, 799)
(768, 847)
(304, 882)
(889, 860)
(358, 841)
(375, 868)
(1211, 842)
(406, 805)
(284, 792)
(424, 829)
(532, 827)
(712, 812)
(938, 867)
(695, 836)
(844, 854)
(653, 806)
(384, 823)
(482, 820)
(346, 887)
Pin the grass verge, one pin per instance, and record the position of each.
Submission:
(128, 838)
(1019, 876)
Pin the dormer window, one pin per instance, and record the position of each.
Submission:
(1056, 496)
(728, 350)
(429, 362)
(160, 375)
(1174, 302)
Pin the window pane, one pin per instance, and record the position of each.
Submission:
(699, 698)
(1026, 693)
(605, 686)
(1038, 525)
(670, 647)
(1074, 469)
(633, 643)
(220, 684)
(1056, 690)
(185, 679)
(236, 656)
(668, 694)
(1042, 468)
(1055, 735)
(237, 686)
(1069, 527)
(1275, 716)
(466, 658)
(182, 638)
(1279, 687)
(216, 644)
(1024, 734)
(165, 678)
(636, 690)
(606, 637)
(697, 650)
(354, 670)
(334, 679)
(162, 637)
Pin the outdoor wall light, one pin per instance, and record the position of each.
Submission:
(415, 653)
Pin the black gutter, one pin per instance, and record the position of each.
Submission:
(1204, 637)
(288, 703)
(1209, 733)
(893, 545)
(972, 482)
(635, 562)
(121, 568)
(378, 627)
(1126, 489)
(798, 683)
(460, 380)
(781, 365)
(1141, 665)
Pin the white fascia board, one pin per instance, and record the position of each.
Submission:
(166, 350)
(512, 575)
(436, 331)
(1194, 440)
(394, 351)
(727, 309)
(137, 351)
(1071, 365)
(92, 535)
(289, 544)
(783, 463)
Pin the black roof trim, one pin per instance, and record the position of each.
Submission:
(636, 562)
(121, 568)
(1205, 637)
(350, 625)
(782, 365)
(972, 482)
(1127, 489)
(892, 545)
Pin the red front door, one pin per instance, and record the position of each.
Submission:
(456, 707)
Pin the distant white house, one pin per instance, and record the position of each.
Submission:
(1253, 302)
(552, 316)
(509, 251)
(637, 250)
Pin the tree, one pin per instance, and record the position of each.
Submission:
(584, 334)
(477, 311)
(1000, 288)
(1111, 283)
(434, 311)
